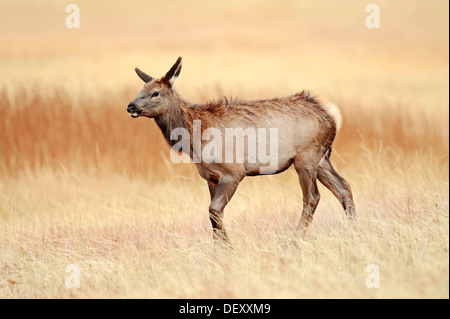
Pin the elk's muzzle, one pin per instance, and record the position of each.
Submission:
(134, 112)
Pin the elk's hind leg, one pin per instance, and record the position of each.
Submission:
(328, 176)
(311, 197)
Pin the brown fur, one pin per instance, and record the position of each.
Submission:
(307, 125)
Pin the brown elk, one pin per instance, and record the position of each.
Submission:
(306, 128)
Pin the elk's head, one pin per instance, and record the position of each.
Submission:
(157, 95)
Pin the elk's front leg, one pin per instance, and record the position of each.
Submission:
(221, 192)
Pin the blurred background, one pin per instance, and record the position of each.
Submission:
(64, 91)
(82, 182)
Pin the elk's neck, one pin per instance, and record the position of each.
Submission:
(177, 116)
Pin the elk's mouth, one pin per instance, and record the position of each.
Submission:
(136, 114)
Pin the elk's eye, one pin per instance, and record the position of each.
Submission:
(155, 94)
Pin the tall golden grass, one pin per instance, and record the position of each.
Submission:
(83, 183)
(95, 133)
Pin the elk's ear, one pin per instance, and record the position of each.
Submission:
(173, 73)
(144, 76)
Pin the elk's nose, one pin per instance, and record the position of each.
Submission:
(130, 108)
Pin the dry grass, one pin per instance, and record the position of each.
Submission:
(131, 239)
(82, 183)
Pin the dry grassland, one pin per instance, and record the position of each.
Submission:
(83, 183)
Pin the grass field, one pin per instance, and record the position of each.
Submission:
(83, 183)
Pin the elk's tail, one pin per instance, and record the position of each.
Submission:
(334, 112)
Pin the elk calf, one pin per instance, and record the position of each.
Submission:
(305, 126)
